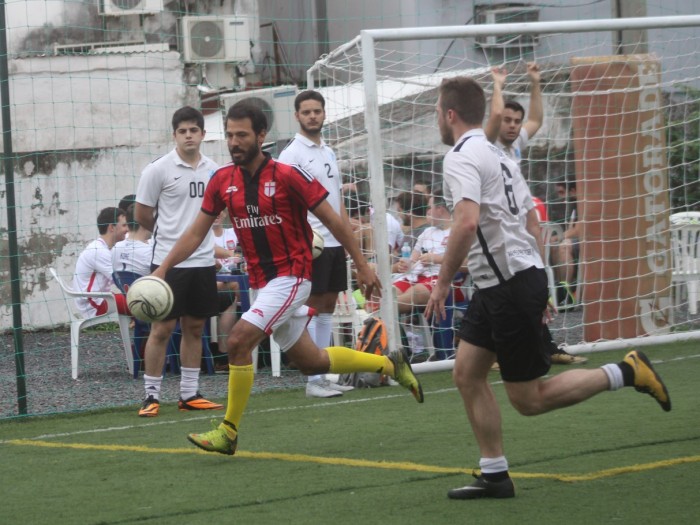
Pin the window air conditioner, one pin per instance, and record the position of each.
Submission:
(278, 105)
(507, 15)
(215, 39)
(130, 7)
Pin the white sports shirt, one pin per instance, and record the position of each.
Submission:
(515, 151)
(475, 170)
(176, 190)
(132, 256)
(432, 240)
(319, 162)
(93, 273)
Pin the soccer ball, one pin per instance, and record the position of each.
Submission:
(317, 246)
(149, 299)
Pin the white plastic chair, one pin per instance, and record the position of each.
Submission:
(78, 322)
(549, 230)
(685, 239)
(346, 313)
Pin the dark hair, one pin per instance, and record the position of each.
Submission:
(309, 95)
(188, 114)
(130, 220)
(515, 106)
(413, 203)
(439, 200)
(242, 110)
(464, 96)
(127, 200)
(107, 217)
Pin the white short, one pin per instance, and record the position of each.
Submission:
(279, 309)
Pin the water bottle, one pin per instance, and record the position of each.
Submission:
(406, 252)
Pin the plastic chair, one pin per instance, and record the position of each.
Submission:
(78, 322)
(346, 313)
(685, 238)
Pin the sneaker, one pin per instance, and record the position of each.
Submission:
(197, 402)
(150, 407)
(484, 489)
(646, 380)
(321, 389)
(404, 374)
(219, 439)
(338, 387)
(562, 358)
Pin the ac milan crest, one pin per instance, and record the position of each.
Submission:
(269, 189)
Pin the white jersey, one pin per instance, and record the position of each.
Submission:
(132, 256)
(228, 241)
(320, 163)
(432, 240)
(475, 170)
(394, 232)
(93, 273)
(176, 191)
(515, 151)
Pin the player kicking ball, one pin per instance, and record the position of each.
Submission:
(268, 203)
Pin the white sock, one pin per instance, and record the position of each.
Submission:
(320, 331)
(311, 327)
(152, 385)
(493, 465)
(614, 376)
(189, 382)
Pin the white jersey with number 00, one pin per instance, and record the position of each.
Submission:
(176, 190)
(474, 169)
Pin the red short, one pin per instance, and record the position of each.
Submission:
(428, 282)
(122, 307)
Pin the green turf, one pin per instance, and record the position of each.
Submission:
(164, 480)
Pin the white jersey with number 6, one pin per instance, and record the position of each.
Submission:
(474, 169)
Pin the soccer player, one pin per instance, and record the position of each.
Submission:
(329, 272)
(93, 270)
(504, 318)
(168, 198)
(268, 204)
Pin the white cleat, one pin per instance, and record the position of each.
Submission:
(320, 389)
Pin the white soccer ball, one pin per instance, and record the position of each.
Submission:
(318, 243)
(149, 299)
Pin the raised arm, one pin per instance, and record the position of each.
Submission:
(535, 114)
(493, 124)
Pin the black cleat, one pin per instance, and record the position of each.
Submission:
(484, 489)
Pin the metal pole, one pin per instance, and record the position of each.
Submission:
(8, 167)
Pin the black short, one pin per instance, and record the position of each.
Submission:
(329, 272)
(194, 290)
(507, 319)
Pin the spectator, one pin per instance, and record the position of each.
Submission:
(93, 270)
(565, 256)
(412, 209)
(310, 153)
(127, 200)
(506, 127)
(173, 185)
(133, 254)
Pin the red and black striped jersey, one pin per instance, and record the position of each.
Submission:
(268, 210)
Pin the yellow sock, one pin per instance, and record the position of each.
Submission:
(240, 384)
(346, 360)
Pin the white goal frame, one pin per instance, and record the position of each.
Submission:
(369, 38)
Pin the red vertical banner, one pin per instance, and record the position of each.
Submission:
(622, 196)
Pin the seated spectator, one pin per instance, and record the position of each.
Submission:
(565, 255)
(93, 271)
(134, 253)
(412, 208)
(420, 273)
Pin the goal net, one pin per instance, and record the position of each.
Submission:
(619, 148)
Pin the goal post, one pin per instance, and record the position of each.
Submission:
(624, 128)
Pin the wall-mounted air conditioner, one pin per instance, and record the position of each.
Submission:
(130, 7)
(215, 38)
(506, 15)
(277, 104)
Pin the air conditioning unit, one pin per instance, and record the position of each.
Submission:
(507, 15)
(215, 38)
(278, 105)
(130, 7)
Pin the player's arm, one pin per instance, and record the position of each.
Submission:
(535, 113)
(493, 124)
(366, 277)
(465, 218)
(532, 225)
(187, 244)
(145, 216)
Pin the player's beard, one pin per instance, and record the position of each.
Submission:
(312, 131)
(248, 155)
(446, 134)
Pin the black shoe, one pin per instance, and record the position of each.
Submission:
(484, 489)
